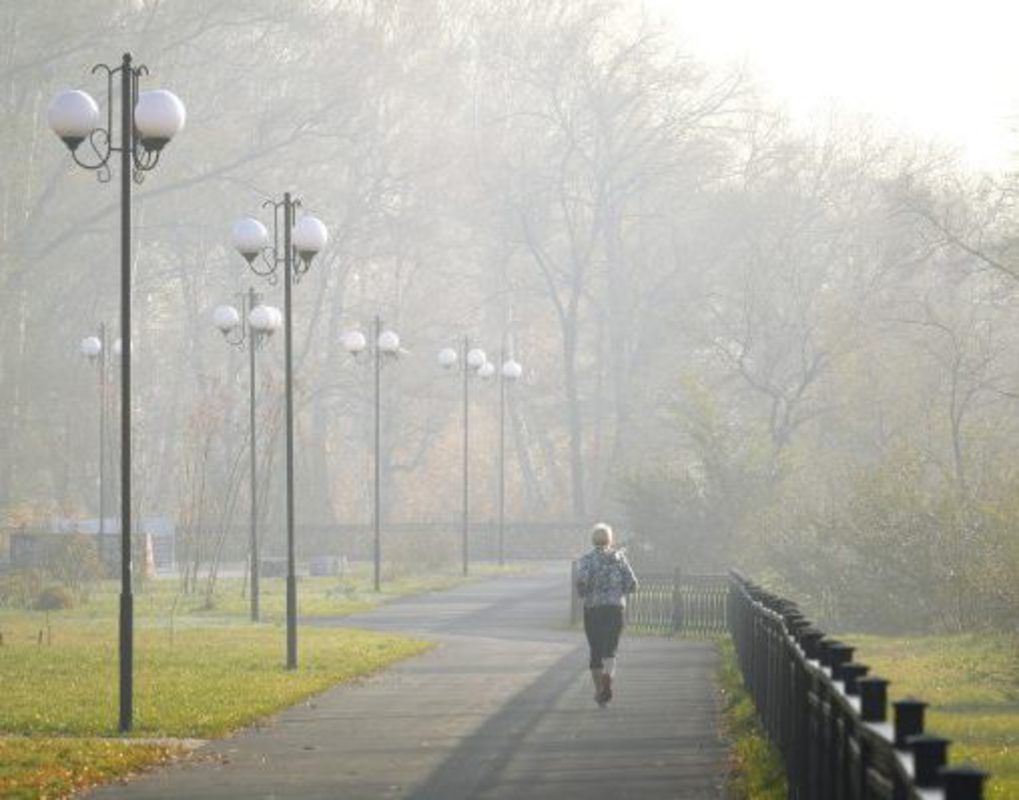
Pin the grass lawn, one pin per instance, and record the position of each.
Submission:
(201, 670)
(196, 682)
(157, 601)
(755, 767)
(202, 682)
(972, 684)
(46, 768)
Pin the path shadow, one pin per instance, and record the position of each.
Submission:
(475, 767)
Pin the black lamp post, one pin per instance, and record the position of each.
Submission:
(148, 121)
(384, 344)
(253, 326)
(300, 242)
(472, 361)
(95, 350)
(510, 372)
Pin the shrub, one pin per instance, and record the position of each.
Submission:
(54, 598)
(76, 565)
(896, 549)
(20, 589)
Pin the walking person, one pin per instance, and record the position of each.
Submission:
(604, 579)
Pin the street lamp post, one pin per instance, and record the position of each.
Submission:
(472, 361)
(148, 121)
(384, 344)
(94, 349)
(253, 326)
(301, 241)
(510, 372)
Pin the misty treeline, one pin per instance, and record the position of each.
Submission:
(790, 350)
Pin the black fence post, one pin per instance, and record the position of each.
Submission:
(805, 686)
(963, 783)
(851, 674)
(873, 699)
(909, 714)
(930, 754)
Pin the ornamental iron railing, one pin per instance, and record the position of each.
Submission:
(672, 603)
(828, 716)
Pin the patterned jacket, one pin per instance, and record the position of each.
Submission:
(604, 578)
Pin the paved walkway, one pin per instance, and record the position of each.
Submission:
(501, 709)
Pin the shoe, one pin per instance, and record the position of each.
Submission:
(598, 678)
(606, 692)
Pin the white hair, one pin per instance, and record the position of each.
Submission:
(601, 535)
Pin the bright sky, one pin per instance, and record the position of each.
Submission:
(943, 69)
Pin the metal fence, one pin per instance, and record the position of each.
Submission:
(828, 716)
(672, 603)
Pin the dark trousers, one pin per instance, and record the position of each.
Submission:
(603, 624)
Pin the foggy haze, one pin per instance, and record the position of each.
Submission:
(747, 341)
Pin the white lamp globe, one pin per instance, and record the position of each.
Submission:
(476, 358)
(309, 236)
(275, 319)
(250, 237)
(159, 115)
(226, 318)
(447, 357)
(262, 319)
(512, 370)
(389, 342)
(91, 347)
(354, 342)
(486, 370)
(72, 116)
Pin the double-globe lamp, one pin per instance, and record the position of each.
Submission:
(510, 372)
(73, 115)
(386, 346)
(93, 349)
(148, 121)
(355, 343)
(261, 323)
(265, 257)
(308, 236)
(263, 319)
(475, 362)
